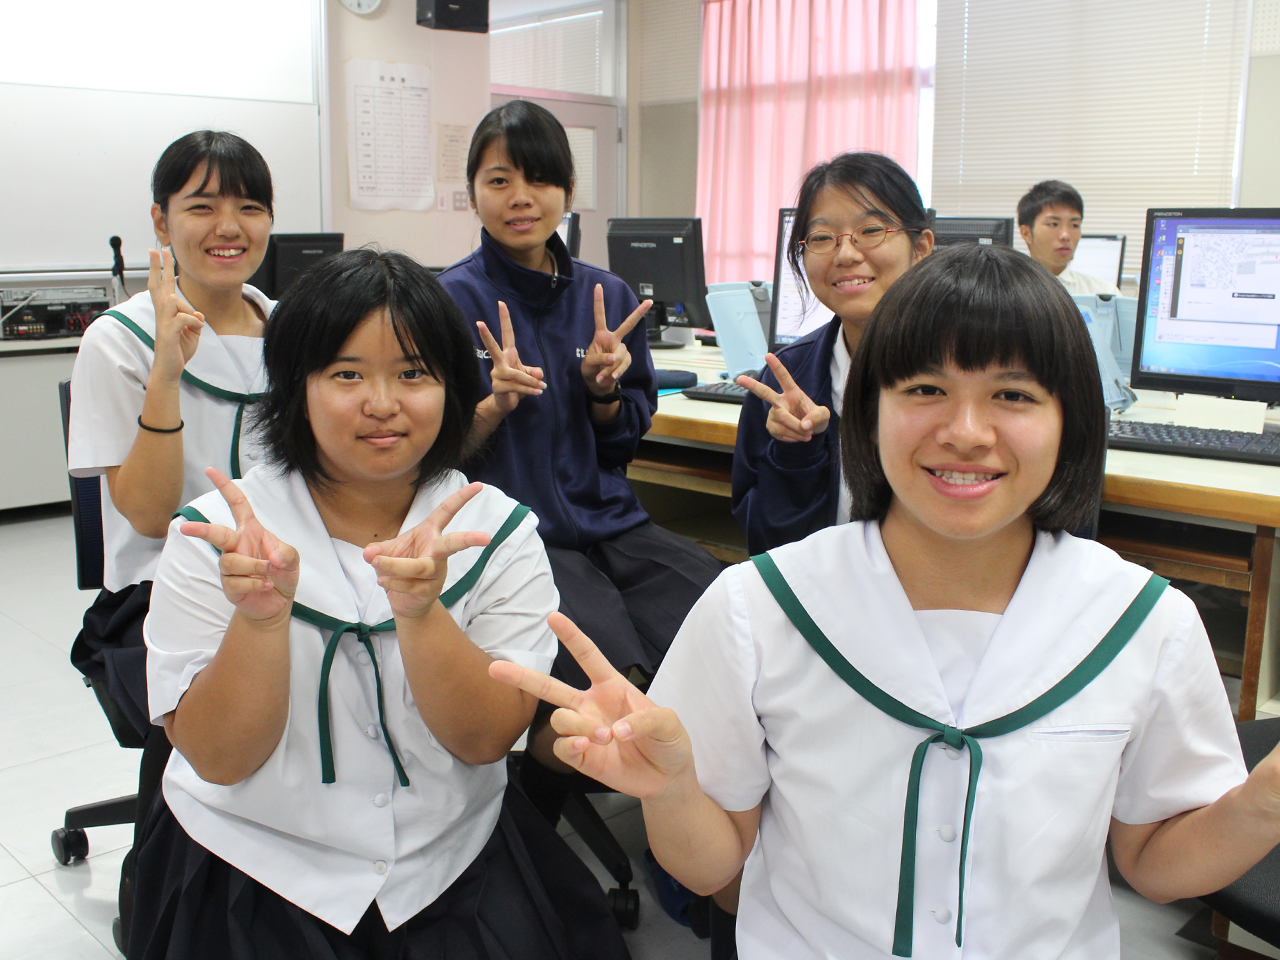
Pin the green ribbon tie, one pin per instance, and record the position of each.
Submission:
(957, 739)
(209, 388)
(364, 634)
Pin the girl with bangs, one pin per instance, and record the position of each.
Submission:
(318, 645)
(919, 730)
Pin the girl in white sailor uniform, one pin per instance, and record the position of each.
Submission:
(919, 730)
(159, 392)
(318, 646)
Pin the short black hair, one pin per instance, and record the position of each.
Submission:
(317, 315)
(534, 139)
(1047, 193)
(976, 306)
(858, 174)
(240, 169)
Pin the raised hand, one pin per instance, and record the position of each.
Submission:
(412, 567)
(511, 378)
(793, 417)
(611, 731)
(178, 324)
(259, 572)
(607, 358)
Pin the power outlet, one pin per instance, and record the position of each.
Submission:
(442, 201)
(460, 200)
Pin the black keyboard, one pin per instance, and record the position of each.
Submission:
(722, 391)
(1195, 442)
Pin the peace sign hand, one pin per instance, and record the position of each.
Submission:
(259, 573)
(793, 417)
(611, 732)
(178, 324)
(412, 567)
(511, 378)
(607, 358)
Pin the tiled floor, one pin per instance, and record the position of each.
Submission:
(58, 752)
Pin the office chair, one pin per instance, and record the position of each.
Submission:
(1252, 903)
(70, 842)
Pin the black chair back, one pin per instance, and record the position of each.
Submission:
(86, 510)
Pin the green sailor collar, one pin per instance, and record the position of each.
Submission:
(319, 558)
(958, 739)
(210, 370)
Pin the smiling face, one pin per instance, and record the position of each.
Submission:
(851, 280)
(217, 241)
(967, 452)
(374, 411)
(519, 214)
(1053, 238)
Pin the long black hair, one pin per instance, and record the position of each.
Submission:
(239, 167)
(315, 318)
(534, 139)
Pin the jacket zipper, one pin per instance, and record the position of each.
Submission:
(555, 407)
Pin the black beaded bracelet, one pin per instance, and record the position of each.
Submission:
(607, 398)
(180, 425)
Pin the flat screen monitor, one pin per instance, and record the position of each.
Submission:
(795, 311)
(660, 259)
(570, 231)
(1100, 256)
(288, 254)
(949, 230)
(1209, 303)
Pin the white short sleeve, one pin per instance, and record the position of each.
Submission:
(708, 678)
(507, 609)
(187, 619)
(1185, 753)
(108, 384)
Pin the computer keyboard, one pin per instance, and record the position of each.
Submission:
(721, 391)
(1195, 442)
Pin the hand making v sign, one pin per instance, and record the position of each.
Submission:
(511, 379)
(607, 358)
(793, 417)
(178, 324)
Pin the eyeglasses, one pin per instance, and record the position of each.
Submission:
(820, 243)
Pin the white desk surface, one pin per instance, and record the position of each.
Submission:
(1248, 478)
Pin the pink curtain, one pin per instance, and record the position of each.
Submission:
(785, 84)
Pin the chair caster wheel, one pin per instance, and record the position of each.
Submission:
(69, 845)
(625, 904)
(117, 934)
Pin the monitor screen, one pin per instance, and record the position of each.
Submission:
(1100, 256)
(949, 230)
(570, 231)
(1209, 303)
(660, 259)
(796, 311)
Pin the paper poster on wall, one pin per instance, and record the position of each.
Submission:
(452, 141)
(389, 136)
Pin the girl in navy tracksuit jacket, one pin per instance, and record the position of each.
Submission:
(570, 391)
(859, 225)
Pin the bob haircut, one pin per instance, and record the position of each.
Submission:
(535, 142)
(976, 306)
(874, 180)
(314, 319)
(1044, 194)
(240, 169)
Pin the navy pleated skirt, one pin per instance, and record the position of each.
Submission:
(525, 897)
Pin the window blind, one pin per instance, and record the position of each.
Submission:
(563, 52)
(1133, 103)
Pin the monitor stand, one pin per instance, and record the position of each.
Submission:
(670, 338)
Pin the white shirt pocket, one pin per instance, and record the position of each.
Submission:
(1082, 733)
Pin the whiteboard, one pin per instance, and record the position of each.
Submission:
(76, 163)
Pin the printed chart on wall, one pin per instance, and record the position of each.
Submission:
(389, 136)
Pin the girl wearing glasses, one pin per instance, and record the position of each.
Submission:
(859, 225)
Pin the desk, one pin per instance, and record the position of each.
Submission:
(1240, 496)
(34, 469)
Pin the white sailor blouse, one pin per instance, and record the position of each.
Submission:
(359, 800)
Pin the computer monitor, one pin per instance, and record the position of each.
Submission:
(288, 254)
(1100, 256)
(795, 310)
(1209, 303)
(570, 231)
(660, 259)
(987, 230)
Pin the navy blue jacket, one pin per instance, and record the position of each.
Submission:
(782, 492)
(548, 453)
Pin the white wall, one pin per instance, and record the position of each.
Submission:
(459, 64)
